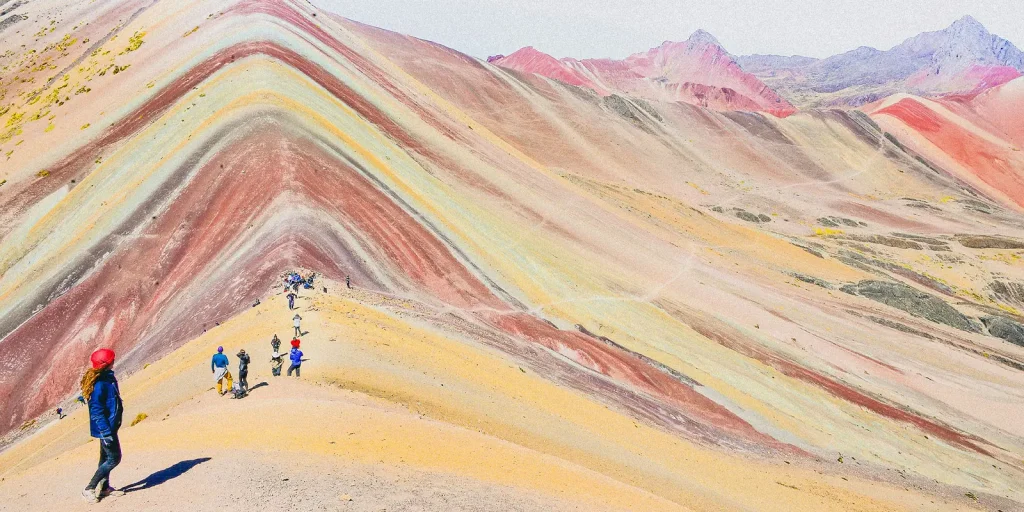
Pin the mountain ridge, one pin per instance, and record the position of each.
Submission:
(963, 58)
(698, 71)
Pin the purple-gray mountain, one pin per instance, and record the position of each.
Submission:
(961, 59)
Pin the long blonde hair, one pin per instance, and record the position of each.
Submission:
(89, 381)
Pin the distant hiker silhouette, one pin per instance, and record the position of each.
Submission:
(275, 343)
(60, 413)
(219, 367)
(296, 320)
(296, 358)
(105, 411)
(348, 282)
(291, 300)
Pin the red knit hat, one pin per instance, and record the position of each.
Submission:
(295, 343)
(102, 358)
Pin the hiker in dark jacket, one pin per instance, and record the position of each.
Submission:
(243, 370)
(296, 358)
(275, 343)
(105, 410)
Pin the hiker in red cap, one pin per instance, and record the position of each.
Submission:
(99, 390)
(296, 358)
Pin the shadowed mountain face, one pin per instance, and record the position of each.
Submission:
(961, 59)
(772, 288)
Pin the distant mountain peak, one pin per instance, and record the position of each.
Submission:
(963, 58)
(703, 37)
(968, 21)
(526, 50)
(697, 71)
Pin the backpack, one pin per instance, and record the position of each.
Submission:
(237, 391)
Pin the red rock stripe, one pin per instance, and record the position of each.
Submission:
(734, 340)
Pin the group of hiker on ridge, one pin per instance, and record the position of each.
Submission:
(219, 363)
(292, 282)
(102, 397)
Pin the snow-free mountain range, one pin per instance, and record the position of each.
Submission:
(964, 58)
(651, 284)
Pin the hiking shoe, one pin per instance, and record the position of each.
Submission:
(110, 491)
(90, 495)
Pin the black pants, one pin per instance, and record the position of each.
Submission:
(110, 457)
(242, 374)
(293, 367)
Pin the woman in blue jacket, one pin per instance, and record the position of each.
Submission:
(296, 358)
(99, 387)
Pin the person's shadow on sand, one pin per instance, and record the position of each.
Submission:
(164, 475)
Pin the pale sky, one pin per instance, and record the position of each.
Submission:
(617, 28)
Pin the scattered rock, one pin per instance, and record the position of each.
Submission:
(923, 206)
(923, 239)
(835, 222)
(888, 241)
(751, 217)
(900, 327)
(1011, 292)
(11, 20)
(812, 280)
(628, 109)
(1002, 327)
(747, 216)
(860, 262)
(647, 107)
(811, 250)
(989, 242)
(913, 301)
(978, 206)
(873, 266)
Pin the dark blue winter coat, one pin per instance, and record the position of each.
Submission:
(296, 357)
(105, 407)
